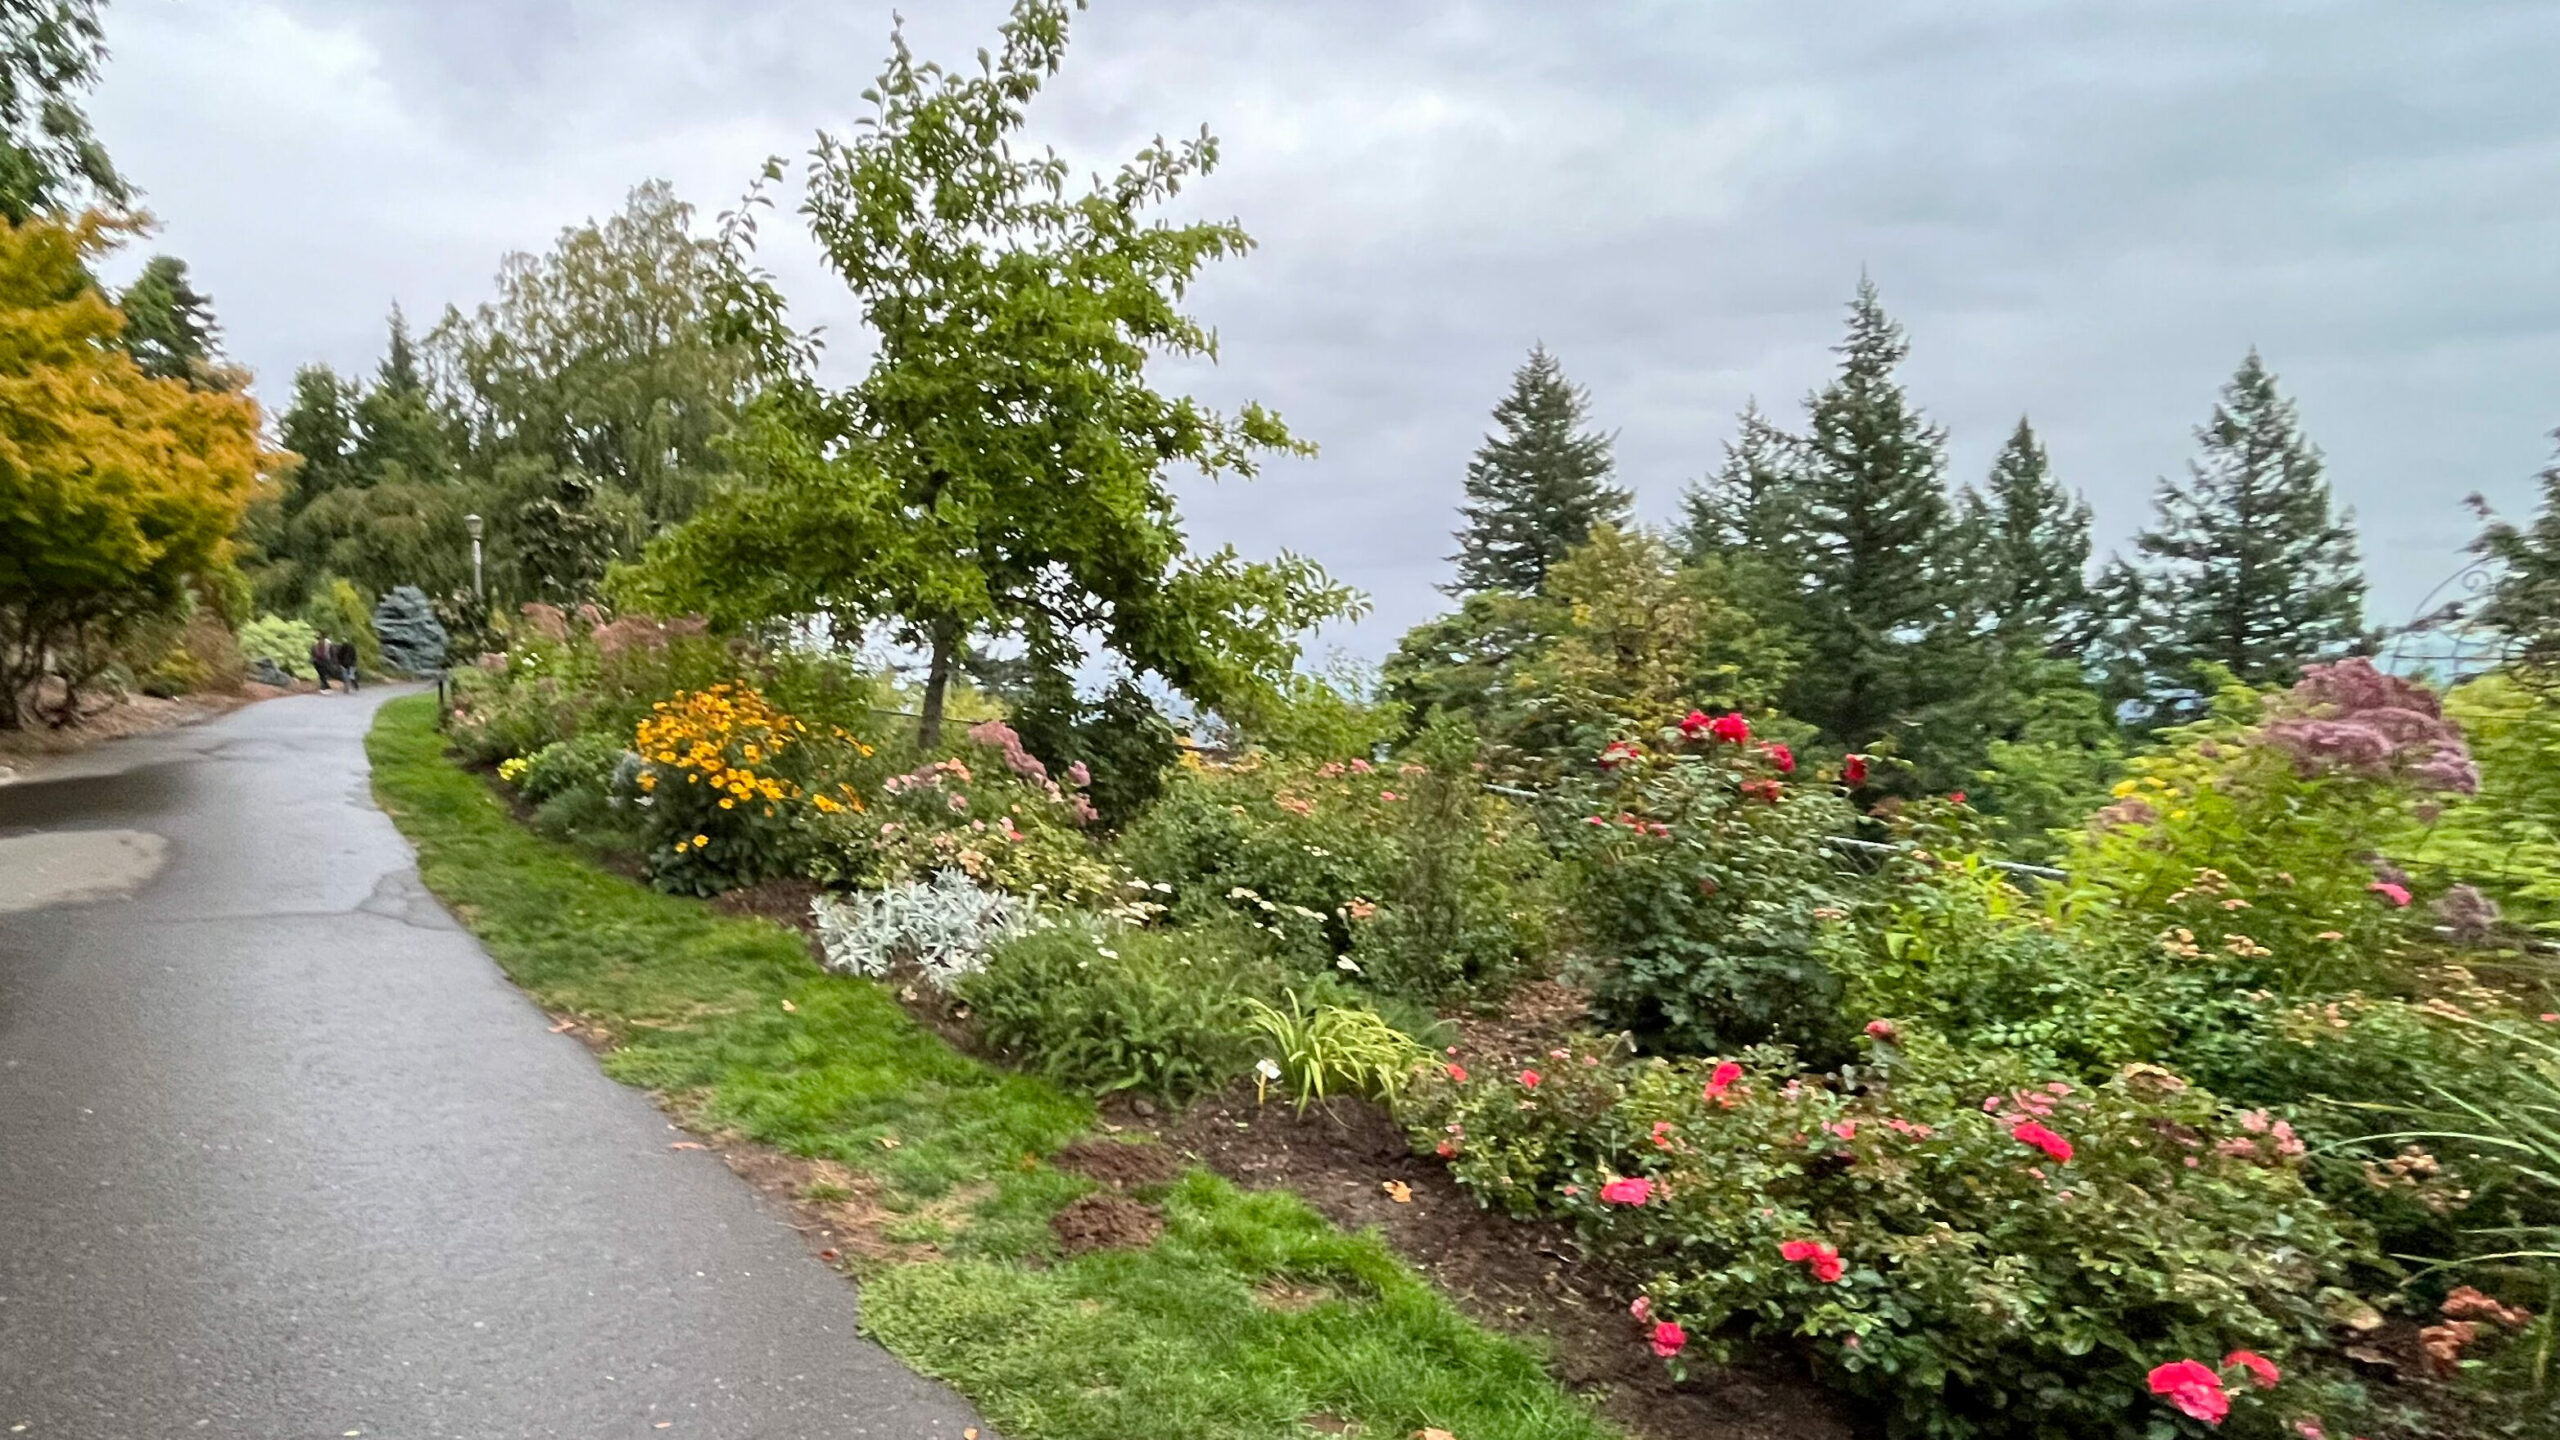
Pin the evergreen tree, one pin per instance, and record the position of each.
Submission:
(1749, 506)
(2524, 603)
(2033, 553)
(403, 435)
(168, 324)
(1535, 490)
(319, 426)
(1878, 536)
(2249, 567)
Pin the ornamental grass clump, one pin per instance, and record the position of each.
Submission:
(1979, 1250)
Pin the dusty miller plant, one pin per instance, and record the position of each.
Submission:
(944, 927)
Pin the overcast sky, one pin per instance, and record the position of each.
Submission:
(2085, 212)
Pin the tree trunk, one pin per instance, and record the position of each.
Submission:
(937, 680)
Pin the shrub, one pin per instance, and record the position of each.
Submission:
(1981, 1251)
(1409, 872)
(2253, 844)
(586, 762)
(1123, 743)
(720, 781)
(992, 812)
(941, 928)
(1158, 1012)
(1706, 874)
(286, 642)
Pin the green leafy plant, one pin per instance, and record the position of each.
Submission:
(1705, 874)
(1323, 1049)
(1156, 1012)
(286, 642)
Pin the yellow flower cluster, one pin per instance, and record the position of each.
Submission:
(719, 738)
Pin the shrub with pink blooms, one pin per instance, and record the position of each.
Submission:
(1979, 1250)
(2258, 842)
(1704, 869)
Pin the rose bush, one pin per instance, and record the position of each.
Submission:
(1705, 873)
(1977, 1248)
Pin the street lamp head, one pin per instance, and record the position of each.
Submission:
(471, 523)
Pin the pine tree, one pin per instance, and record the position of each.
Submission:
(1535, 490)
(2033, 555)
(2249, 567)
(2524, 604)
(1878, 537)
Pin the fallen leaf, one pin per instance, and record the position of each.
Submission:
(1401, 1193)
(969, 1434)
(1433, 1435)
(887, 1142)
(564, 1025)
(661, 1425)
(686, 1145)
(826, 1254)
(790, 1008)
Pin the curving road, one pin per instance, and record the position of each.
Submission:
(282, 1154)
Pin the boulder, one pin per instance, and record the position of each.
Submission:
(404, 620)
(267, 672)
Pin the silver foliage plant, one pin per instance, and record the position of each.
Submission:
(944, 927)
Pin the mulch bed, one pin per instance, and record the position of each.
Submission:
(785, 902)
(1524, 1278)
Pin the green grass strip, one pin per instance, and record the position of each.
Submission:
(1250, 1317)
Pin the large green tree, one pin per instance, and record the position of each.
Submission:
(999, 471)
(1537, 487)
(50, 160)
(1882, 574)
(2032, 551)
(602, 364)
(2248, 565)
(168, 325)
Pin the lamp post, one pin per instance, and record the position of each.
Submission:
(471, 523)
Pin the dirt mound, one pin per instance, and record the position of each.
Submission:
(783, 901)
(1106, 1221)
(1120, 1164)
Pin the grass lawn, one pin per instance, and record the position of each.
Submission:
(1182, 1339)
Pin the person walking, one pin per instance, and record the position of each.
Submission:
(344, 653)
(324, 661)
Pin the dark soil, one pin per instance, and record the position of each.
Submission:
(784, 901)
(1106, 1220)
(1525, 1278)
(1122, 1165)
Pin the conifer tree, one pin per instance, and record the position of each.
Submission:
(2248, 566)
(1878, 543)
(1749, 506)
(2524, 604)
(404, 436)
(1535, 490)
(169, 328)
(2033, 552)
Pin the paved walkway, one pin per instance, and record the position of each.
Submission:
(282, 1154)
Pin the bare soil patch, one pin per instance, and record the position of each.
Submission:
(1120, 1164)
(1527, 1278)
(115, 720)
(1106, 1220)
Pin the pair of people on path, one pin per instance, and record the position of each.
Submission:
(333, 661)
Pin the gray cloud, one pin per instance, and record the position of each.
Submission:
(2085, 213)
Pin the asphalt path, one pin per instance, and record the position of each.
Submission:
(282, 1154)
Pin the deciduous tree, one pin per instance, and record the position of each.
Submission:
(116, 488)
(50, 160)
(999, 471)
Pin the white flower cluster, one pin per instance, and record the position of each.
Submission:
(944, 927)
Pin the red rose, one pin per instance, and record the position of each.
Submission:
(1634, 1190)
(2193, 1388)
(1458, 1072)
(1853, 771)
(2031, 1133)
(1694, 722)
(1780, 756)
(1731, 727)
(1668, 1337)
(2262, 1371)
(1722, 1080)
(1883, 1030)
(1529, 1079)
(1821, 1259)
